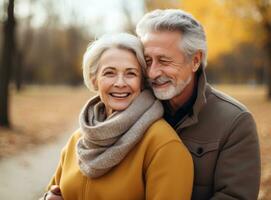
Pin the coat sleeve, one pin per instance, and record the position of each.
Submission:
(237, 174)
(170, 173)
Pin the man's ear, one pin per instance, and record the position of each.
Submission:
(196, 61)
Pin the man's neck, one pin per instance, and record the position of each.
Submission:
(178, 101)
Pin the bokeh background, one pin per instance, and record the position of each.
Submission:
(41, 48)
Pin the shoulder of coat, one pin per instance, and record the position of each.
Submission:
(227, 99)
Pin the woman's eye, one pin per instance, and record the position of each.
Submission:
(131, 74)
(108, 73)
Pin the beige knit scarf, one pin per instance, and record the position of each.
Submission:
(106, 141)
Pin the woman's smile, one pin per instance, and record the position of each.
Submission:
(120, 95)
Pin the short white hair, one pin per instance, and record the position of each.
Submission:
(194, 38)
(98, 47)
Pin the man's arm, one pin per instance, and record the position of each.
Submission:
(237, 174)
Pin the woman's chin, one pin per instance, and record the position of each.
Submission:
(120, 107)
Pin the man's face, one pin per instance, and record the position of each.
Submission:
(168, 69)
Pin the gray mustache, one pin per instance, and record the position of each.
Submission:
(160, 80)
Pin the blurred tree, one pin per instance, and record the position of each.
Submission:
(2, 19)
(24, 40)
(55, 52)
(59, 60)
(129, 26)
(219, 24)
(259, 12)
(161, 4)
(9, 49)
(244, 64)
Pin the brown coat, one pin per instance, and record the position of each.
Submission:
(222, 138)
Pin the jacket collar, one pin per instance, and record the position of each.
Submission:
(199, 103)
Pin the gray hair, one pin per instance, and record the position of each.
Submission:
(97, 48)
(194, 38)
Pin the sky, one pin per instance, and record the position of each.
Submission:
(100, 15)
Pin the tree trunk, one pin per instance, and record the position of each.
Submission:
(6, 66)
(269, 87)
(264, 9)
(18, 70)
(269, 76)
(268, 50)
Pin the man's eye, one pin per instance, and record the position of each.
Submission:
(165, 61)
(148, 62)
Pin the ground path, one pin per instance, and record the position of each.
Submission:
(25, 176)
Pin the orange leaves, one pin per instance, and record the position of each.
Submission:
(223, 29)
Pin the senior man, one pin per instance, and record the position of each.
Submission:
(218, 130)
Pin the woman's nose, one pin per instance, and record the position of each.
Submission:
(120, 81)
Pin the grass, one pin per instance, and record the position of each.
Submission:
(40, 114)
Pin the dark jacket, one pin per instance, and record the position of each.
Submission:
(222, 138)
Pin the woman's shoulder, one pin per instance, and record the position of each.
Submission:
(160, 134)
(75, 136)
(161, 137)
(162, 131)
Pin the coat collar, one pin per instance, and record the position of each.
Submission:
(199, 103)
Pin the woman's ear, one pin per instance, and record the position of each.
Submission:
(94, 83)
(196, 61)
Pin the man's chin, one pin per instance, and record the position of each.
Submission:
(164, 94)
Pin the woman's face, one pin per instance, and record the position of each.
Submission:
(118, 79)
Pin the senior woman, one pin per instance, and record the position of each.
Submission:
(123, 149)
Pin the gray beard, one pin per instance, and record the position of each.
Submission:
(172, 90)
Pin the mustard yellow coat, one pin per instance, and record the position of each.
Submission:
(158, 168)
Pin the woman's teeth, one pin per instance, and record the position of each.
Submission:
(119, 95)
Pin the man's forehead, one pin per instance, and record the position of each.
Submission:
(156, 43)
(163, 39)
(161, 34)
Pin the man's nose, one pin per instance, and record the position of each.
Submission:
(154, 71)
(120, 81)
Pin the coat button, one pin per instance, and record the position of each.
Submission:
(199, 150)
